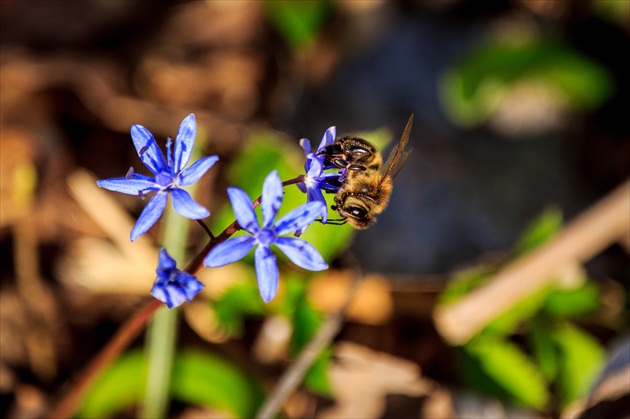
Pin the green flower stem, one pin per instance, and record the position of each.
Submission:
(162, 330)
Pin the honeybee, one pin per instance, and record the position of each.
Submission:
(368, 183)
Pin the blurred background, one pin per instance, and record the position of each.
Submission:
(521, 111)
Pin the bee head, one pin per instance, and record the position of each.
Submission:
(355, 213)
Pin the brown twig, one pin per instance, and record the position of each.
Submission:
(606, 222)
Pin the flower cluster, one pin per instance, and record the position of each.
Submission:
(173, 286)
(263, 236)
(317, 179)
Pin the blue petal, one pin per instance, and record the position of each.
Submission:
(243, 209)
(165, 262)
(316, 195)
(299, 218)
(184, 205)
(229, 251)
(147, 149)
(328, 138)
(138, 176)
(149, 215)
(174, 293)
(271, 197)
(315, 169)
(169, 153)
(189, 284)
(168, 293)
(129, 186)
(306, 146)
(196, 170)
(302, 253)
(266, 272)
(184, 142)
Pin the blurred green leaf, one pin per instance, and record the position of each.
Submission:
(613, 10)
(198, 378)
(569, 303)
(543, 348)
(298, 21)
(544, 227)
(474, 88)
(236, 303)
(501, 368)
(581, 358)
(205, 379)
(263, 153)
(464, 282)
(119, 387)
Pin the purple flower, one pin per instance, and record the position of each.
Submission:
(263, 236)
(169, 175)
(173, 286)
(316, 179)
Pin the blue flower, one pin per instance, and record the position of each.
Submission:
(169, 175)
(316, 179)
(173, 286)
(298, 251)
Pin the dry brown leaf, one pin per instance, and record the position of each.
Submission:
(362, 377)
(115, 266)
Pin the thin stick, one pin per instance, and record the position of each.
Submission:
(294, 375)
(606, 222)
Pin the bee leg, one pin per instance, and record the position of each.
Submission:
(336, 222)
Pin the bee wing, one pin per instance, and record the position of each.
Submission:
(398, 156)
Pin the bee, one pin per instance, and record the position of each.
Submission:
(367, 183)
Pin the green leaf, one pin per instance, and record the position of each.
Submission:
(465, 281)
(543, 347)
(236, 303)
(198, 378)
(298, 21)
(547, 225)
(581, 358)
(474, 89)
(501, 368)
(205, 379)
(119, 387)
(570, 303)
(262, 153)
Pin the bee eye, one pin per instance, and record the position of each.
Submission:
(358, 150)
(357, 212)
